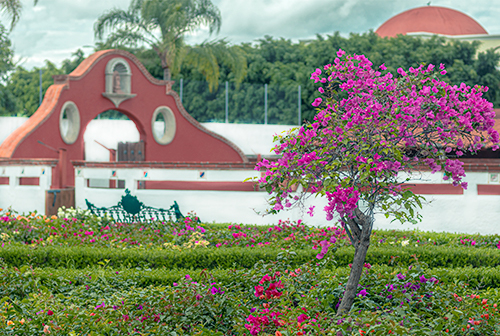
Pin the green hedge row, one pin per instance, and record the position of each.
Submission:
(433, 256)
(56, 279)
(236, 257)
(81, 257)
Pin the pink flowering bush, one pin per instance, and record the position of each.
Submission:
(371, 130)
(42, 231)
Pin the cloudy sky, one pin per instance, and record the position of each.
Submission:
(54, 29)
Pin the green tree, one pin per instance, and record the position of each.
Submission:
(22, 92)
(13, 9)
(7, 100)
(173, 19)
(68, 65)
(6, 54)
(25, 87)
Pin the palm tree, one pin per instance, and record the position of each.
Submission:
(13, 9)
(163, 24)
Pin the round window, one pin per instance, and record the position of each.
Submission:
(163, 125)
(69, 122)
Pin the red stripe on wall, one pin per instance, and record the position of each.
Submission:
(435, 189)
(29, 181)
(4, 180)
(198, 185)
(488, 189)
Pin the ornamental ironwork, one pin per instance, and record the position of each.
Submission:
(131, 210)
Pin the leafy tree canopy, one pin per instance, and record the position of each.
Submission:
(284, 65)
(287, 64)
(7, 100)
(23, 86)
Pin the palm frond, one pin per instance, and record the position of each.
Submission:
(234, 58)
(13, 9)
(113, 19)
(162, 24)
(203, 58)
(176, 55)
(199, 13)
(231, 56)
(127, 37)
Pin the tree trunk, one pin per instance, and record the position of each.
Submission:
(360, 247)
(166, 74)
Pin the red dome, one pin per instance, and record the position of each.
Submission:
(431, 19)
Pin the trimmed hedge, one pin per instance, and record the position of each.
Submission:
(236, 257)
(60, 279)
(81, 257)
(433, 256)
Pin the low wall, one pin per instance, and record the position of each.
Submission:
(23, 186)
(476, 209)
(447, 208)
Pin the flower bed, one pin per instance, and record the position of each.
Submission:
(132, 283)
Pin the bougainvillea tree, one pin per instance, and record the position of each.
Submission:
(371, 130)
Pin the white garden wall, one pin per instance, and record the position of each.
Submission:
(25, 198)
(468, 212)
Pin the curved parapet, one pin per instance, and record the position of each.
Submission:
(10, 144)
(115, 79)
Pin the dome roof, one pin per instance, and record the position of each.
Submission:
(431, 19)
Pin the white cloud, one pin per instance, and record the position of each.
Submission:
(54, 29)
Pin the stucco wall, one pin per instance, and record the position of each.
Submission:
(468, 212)
(251, 139)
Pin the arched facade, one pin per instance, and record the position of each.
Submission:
(115, 79)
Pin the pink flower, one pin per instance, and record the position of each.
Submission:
(310, 212)
(363, 292)
(259, 290)
(317, 102)
(302, 317)
(264, 279)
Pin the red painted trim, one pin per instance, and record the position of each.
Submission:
(4, 180)
(28, 162)
(198, 185)
(86, 66)
(29, 181)
(165, 165)
(472, 165)
(435, 189)
(488, 189)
